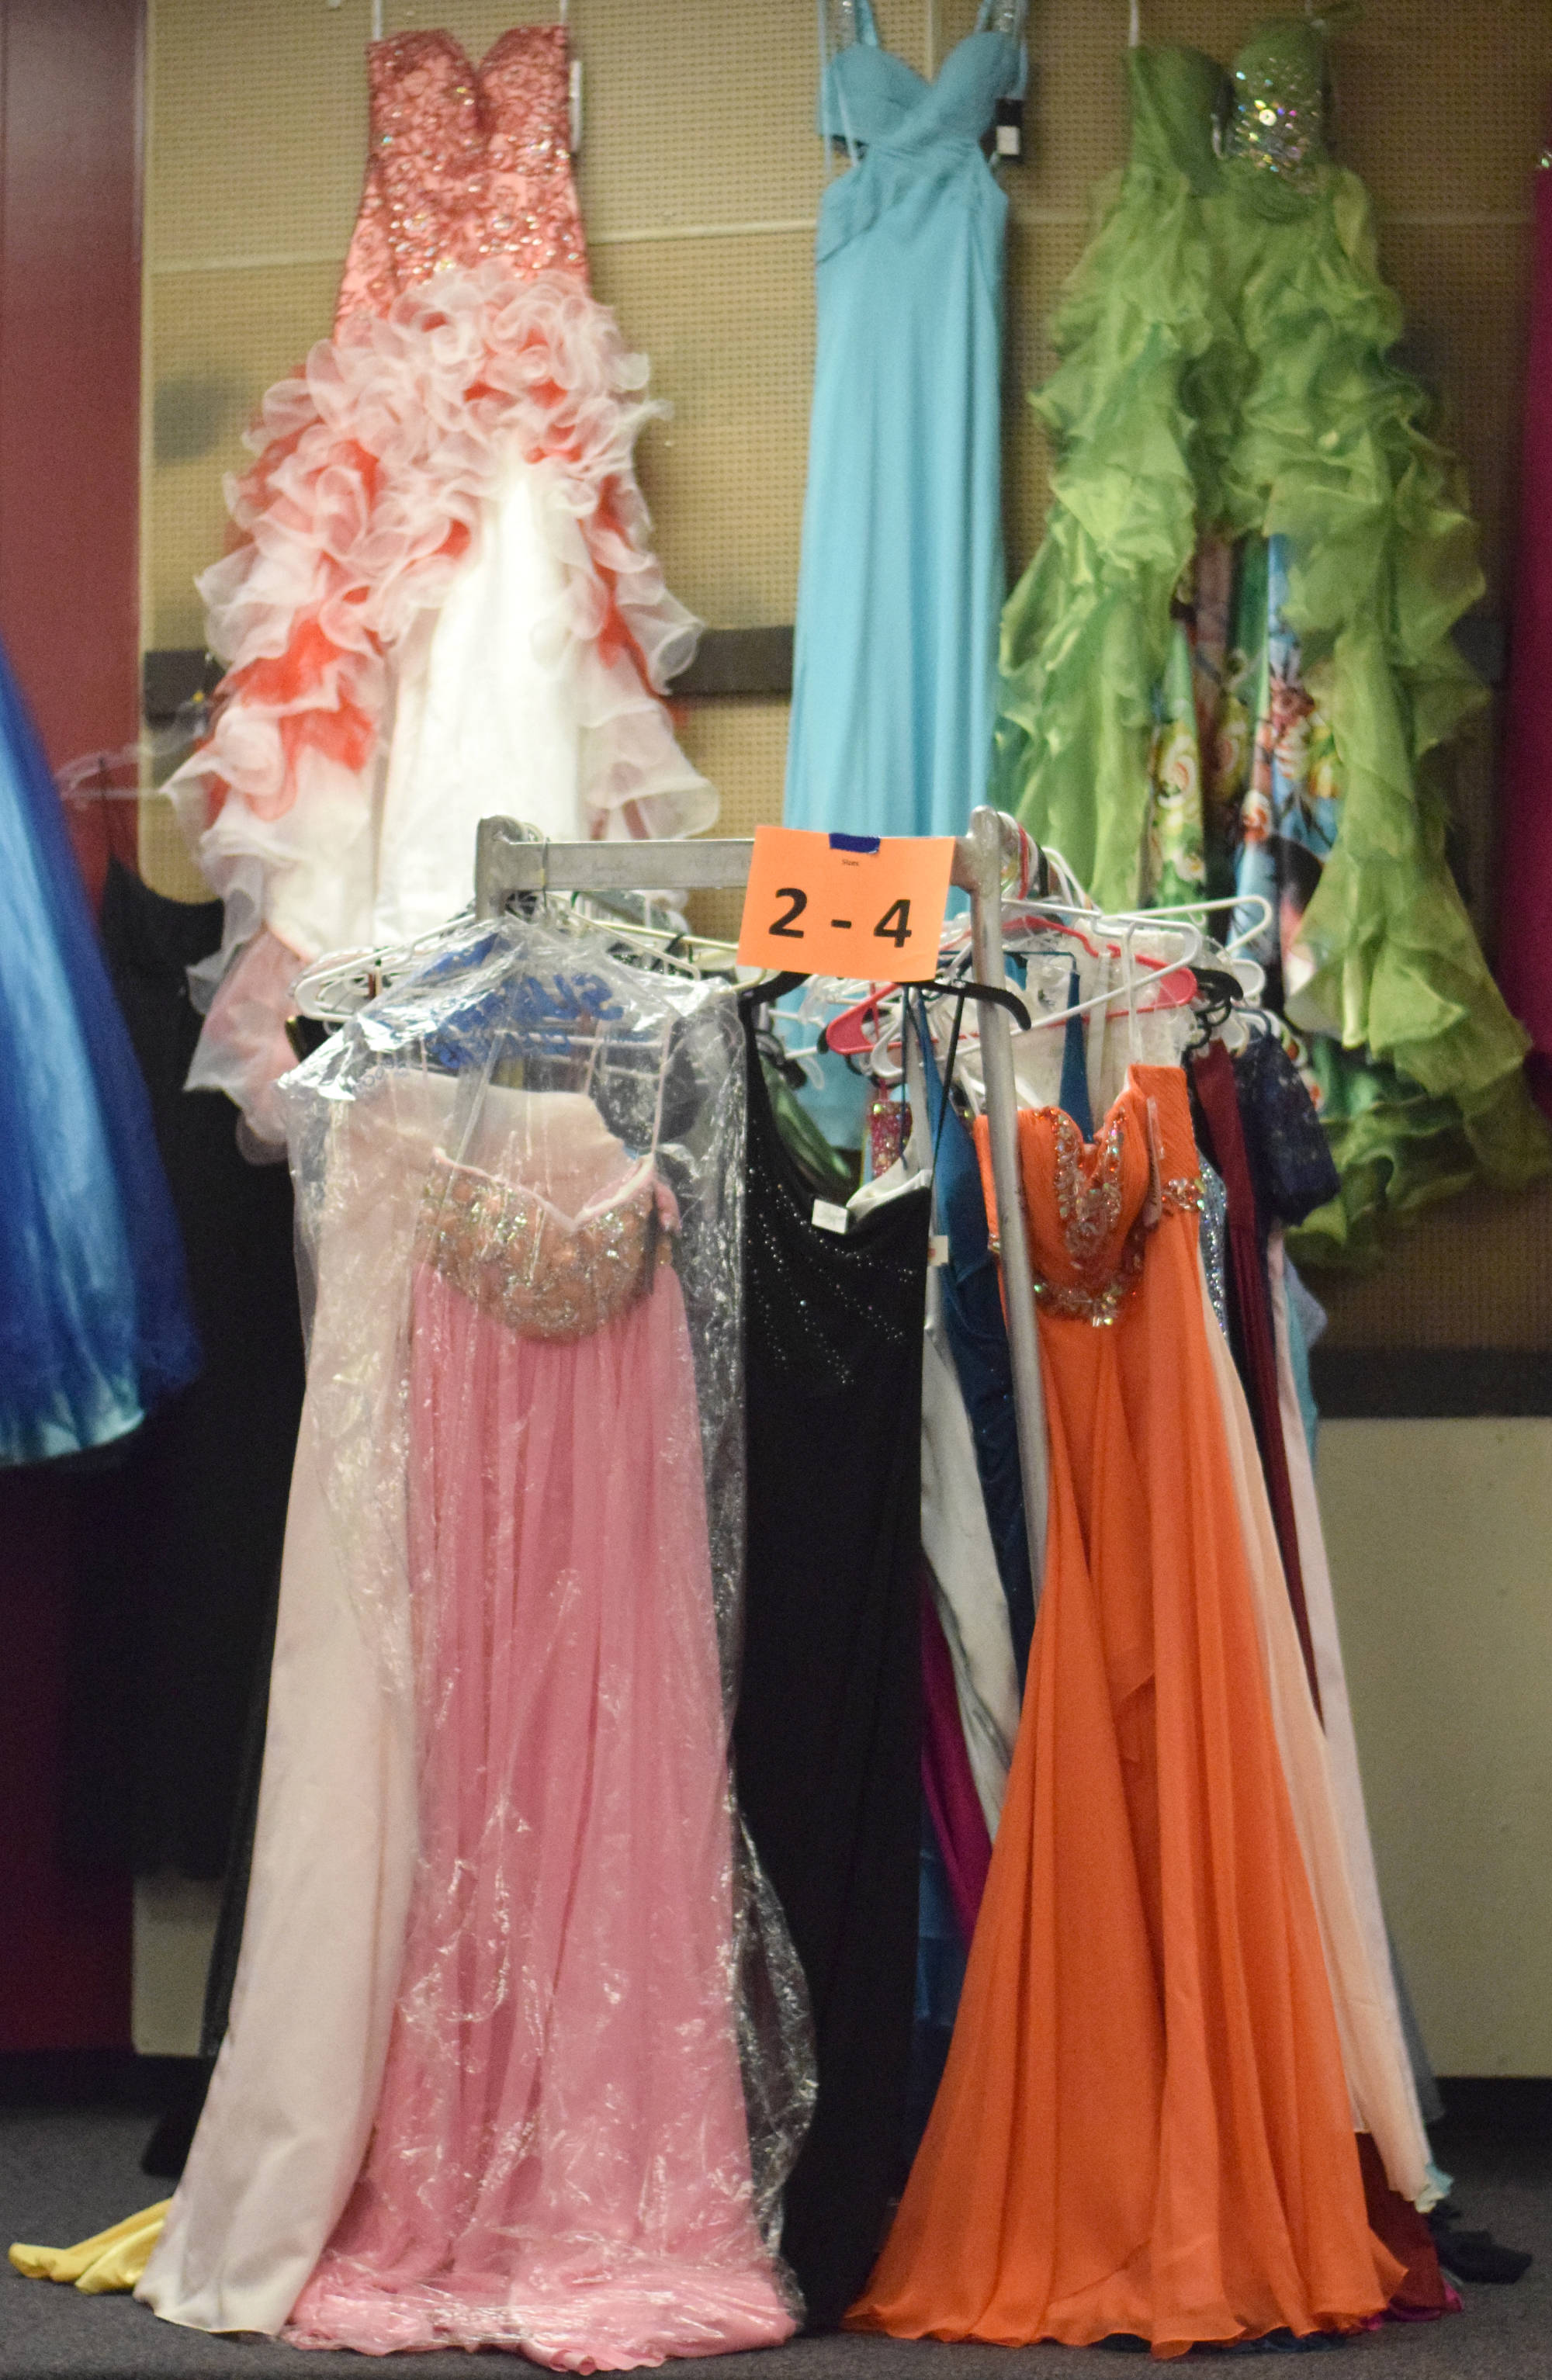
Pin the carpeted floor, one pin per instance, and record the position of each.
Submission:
(67, 2173)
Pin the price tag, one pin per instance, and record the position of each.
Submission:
(849, 904)
(830, 1218)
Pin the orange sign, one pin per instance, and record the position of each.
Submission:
(848, 905)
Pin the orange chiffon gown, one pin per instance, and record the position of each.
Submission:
(1143, 2126)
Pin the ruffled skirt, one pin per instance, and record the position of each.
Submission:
(442, 606)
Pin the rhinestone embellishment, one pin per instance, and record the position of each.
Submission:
(1276, 121)
(1088, 1205)
(467, 162)
(523, 1263)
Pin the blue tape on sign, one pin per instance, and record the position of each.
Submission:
(854, 842)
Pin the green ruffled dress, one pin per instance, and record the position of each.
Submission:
(1230, 664)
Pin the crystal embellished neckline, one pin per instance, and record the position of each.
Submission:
(439, 38)
(602, 1204)
(524, 1263)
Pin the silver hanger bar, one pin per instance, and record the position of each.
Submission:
(509, 860)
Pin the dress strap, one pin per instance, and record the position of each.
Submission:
(1008, 17)
(853, 23)
(861, 14)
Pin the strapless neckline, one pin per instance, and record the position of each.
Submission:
(527, 1263)
(467, 162)
(1091, 1204)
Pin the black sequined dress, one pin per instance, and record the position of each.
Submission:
(827, 1734)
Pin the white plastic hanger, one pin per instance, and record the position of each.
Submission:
(1257, 901)
(1127, 988)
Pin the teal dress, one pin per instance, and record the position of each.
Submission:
(894, 683)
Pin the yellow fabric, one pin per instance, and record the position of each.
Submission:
(110, 2260)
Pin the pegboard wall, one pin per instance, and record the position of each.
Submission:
(700, 175)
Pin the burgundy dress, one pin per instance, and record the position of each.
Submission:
(1525, 860)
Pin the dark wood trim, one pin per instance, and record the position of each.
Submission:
(1430, 1383)
(1495, 2106)
(729, 664)
(174, 675)
(95, 2078)
(738, 661)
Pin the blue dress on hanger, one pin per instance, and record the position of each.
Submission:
(95, 1327)
(901, 587)
(978, 1336)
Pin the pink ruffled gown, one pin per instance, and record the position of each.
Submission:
(560, 2160)
(443, 584)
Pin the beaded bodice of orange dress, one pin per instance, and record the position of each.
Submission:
(443, 600)
(1144, 2125)
(466, 162)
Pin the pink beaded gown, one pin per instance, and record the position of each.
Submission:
(560, 2160)
(517, 2052)
(441, 583)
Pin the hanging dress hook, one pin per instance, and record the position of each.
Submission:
(1130, 972)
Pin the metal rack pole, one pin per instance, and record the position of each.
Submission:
(978, 870)
(511, 858)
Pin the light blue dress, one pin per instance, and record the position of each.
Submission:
(901, 585)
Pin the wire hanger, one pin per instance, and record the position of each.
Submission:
(1234, 901)
(128, 771)
(331, 989)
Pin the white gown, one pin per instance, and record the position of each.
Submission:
(444, 604)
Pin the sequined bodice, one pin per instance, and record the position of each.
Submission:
(465, 163)
(1092, 1204)
(1257, 130)
(543, 1274)
(1273, 129)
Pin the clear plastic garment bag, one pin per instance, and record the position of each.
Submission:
(519, 2052)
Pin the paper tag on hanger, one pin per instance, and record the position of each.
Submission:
(938, 1248)
(830, 1219)
(865, 906)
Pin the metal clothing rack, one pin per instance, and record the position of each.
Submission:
(509, 859)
